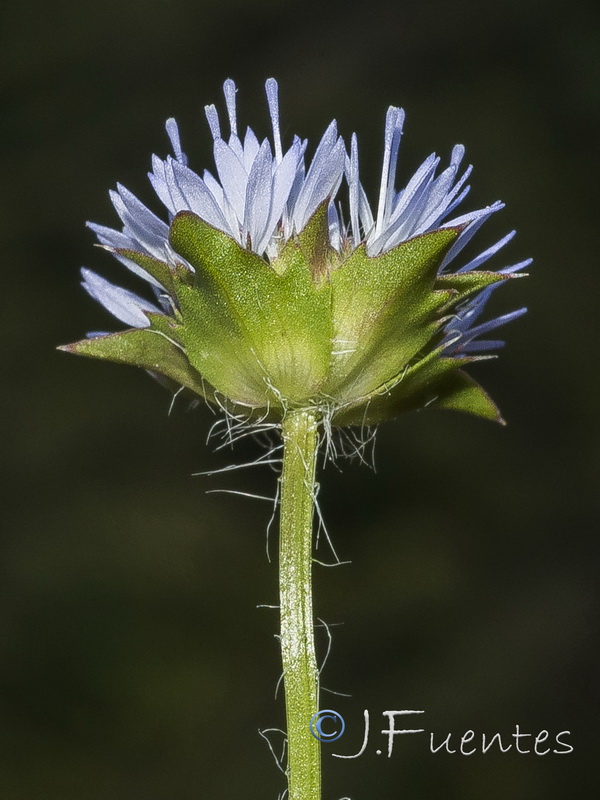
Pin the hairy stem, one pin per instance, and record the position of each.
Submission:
(300, 440)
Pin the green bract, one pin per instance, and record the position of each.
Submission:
(356, 337)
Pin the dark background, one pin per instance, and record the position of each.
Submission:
(133, 661)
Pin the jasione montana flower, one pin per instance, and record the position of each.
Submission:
(268, 295)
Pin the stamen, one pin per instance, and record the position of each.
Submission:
(354, 190)
(273, 101)
(229, 90)
(173, 134)
(388, 171)
(213, 121)
(458, 152)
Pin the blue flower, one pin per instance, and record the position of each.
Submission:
(424, 205)
(260, 197)
(263, 195)
(265, 296)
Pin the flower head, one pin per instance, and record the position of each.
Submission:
(261, 194)
(264, 300)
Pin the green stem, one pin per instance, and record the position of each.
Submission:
(301, 680)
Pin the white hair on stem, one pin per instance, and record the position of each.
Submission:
(358, 443)
(258, 462)
(241, 494)
(173, 399)
(331, 566)
(271, 521)
(281, 677)
(279, 760)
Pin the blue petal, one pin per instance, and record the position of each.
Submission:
(198, 197)
(258, 198)
(232, 175)
(126, 306)
(323, 177)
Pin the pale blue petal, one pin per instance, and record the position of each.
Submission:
(483, 257)
(492, 324)
(283, 180)
(140, 223)
(232, 175)
(126, 306)
(213, 185)
(323, 177)
(158, 179)
(335, 227)
(299, 179)
(366, 215)
(441, 195)
(251, 148)
(178, 199)
(118, 241)
(516, 267)
(353, 179)
(454, 202)
(473, 222)
(198, 197)
(258, 199)
(110, 237)
(414, 188)
(406, 207)
(480, 346)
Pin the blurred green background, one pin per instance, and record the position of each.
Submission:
(133, 662)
